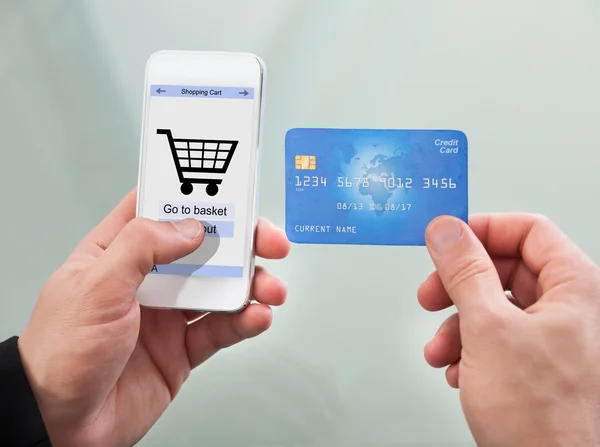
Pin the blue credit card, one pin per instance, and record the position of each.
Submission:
(372, 187)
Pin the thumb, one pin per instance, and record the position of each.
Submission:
(144, 242)
(465, 268)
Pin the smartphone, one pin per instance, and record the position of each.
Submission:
(199, 158)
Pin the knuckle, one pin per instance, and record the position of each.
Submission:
(540, 218)
(141, 228)
(543, 221)
(135, 247)
(466, 269)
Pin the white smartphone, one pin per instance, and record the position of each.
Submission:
(199, 158)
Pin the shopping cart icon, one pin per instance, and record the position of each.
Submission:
(195, 158)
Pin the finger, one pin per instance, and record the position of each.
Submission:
(96, 241)
(452, 375)
(268, 289)
(271, 242)
(143, 243)
(544, 248)
(465, 269)
(217, 331)
(445, 348)
(514, 276)
(431, 294)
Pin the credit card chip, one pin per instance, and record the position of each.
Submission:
(306, 162)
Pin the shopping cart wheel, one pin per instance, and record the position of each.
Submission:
(212, 189)
(186, 188)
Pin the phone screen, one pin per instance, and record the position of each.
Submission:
(198, 161)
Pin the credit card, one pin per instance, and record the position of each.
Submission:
(372, 187)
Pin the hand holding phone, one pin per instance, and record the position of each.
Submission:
(199, 158)
(88, 372)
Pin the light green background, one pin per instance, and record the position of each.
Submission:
(343, 363)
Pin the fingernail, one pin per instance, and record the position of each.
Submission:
(444, 234)
(189, 228)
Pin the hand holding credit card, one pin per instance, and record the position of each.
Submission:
(372, 187)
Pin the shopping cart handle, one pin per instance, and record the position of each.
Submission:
(164, 132)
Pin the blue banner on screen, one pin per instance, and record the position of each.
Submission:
(203, 91)
(223, 271)
(372, 187)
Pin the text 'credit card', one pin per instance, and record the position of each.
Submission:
(372, 187)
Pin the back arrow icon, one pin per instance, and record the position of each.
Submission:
(245, 93)
(159, 90)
